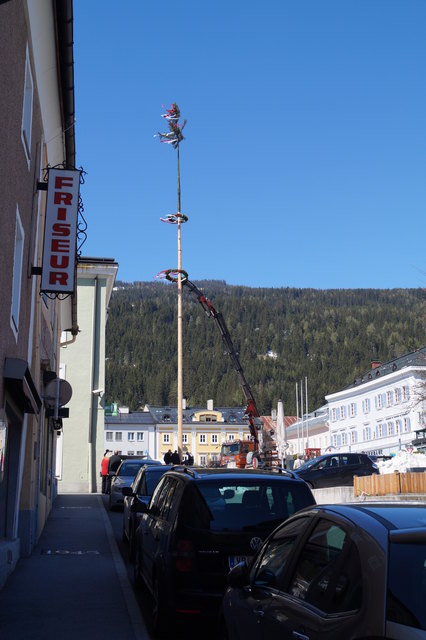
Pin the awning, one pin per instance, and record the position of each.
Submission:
(20, 384)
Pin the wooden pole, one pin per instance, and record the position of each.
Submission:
(179, 327)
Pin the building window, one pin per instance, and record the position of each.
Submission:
(118, 436)
(381, 430)
(390, 429)
(366, 405)
(208, 417)
(166, 438)
(405, 394)
(215, 438)
(184, 438)
(202, 460)
(389, 398)
(27, 109)
(354, 437)
(342, 412)
(108, 436)
(334, 440)
(202, 438)
(397, 395)
(130, 453)
(334, 414)
(406, 424)
(344, 439)
(131, 436)
(17, 274)
(367, 433)
(231, 437)
(139, 453)
(379, 401)
(140, 436)
(397, 427)
(352, 409)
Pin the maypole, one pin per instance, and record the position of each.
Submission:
(174, 137)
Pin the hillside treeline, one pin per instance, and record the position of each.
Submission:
(280, 335)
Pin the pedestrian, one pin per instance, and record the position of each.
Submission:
(298, 462)
(113, 464)
(189, 458)
(104, 470)
(175, 457)
(168, 457)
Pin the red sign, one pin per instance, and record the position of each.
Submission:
(60, 232)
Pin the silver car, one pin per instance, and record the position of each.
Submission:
(124, 477)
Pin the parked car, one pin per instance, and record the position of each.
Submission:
(201, 522)
(124, 477)
(139, 492)
(336, 469)
(352, 571)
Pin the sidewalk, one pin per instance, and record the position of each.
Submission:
(75, 584)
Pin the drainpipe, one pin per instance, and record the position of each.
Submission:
(93, 397)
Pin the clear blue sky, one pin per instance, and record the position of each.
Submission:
(304, 163)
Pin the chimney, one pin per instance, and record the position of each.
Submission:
(375, 364)
(274, 414)
(210, 405)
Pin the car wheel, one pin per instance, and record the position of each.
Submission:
(160, 617)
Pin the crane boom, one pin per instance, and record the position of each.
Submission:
(251, 410)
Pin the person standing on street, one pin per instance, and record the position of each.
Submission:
(168, 457)
(175, 457)
(113, 464)
(104, 470)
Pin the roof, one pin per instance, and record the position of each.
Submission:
(232, 415)
(414, 359)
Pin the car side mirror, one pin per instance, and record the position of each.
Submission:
(238, 577)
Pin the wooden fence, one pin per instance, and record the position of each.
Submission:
(390, 484)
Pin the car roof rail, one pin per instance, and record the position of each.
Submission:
(182, 468)
(278, 469)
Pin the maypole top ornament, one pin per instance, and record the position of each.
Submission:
(174, 135)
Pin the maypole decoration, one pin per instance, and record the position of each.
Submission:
(174, 137)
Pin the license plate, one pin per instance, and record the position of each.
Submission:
(233, 560)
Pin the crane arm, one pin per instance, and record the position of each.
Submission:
(251, 410)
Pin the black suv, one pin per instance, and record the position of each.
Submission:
(336, 469)
(198, 524)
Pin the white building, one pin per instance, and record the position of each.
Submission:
(381, 411)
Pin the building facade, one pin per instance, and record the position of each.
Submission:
(81, 446)
(36, 131)
(205, 429)
(382, 410)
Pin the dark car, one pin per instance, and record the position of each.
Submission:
(139, 492)
(336, 469)
(200, 523)
(124, 477)
(333, 572)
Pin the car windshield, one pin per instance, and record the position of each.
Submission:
(129, 468)
(229, 505)
(406, 596)
(230, 449)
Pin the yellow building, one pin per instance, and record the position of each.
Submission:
(205, 429)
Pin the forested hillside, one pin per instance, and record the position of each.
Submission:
(330, 336)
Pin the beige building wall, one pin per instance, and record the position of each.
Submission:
(83, 365)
